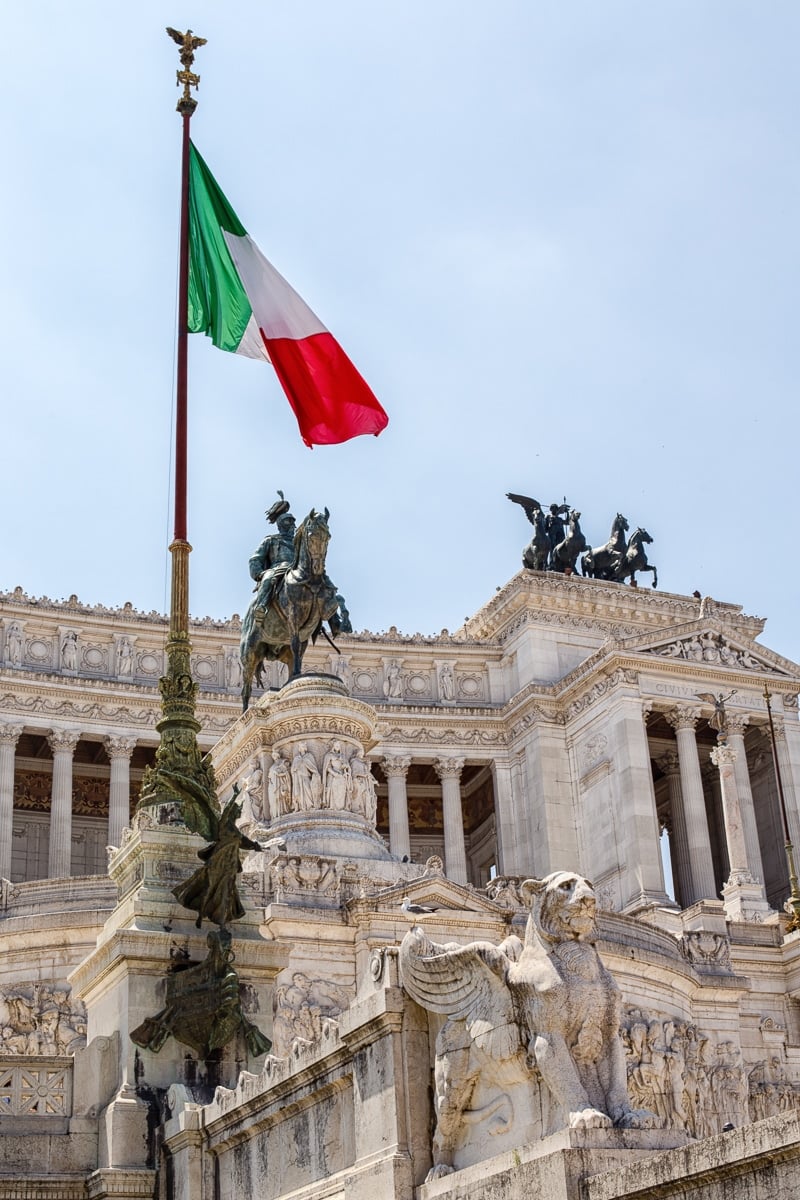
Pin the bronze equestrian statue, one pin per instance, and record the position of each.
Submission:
(293, 599)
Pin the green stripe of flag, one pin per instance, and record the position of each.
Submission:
(218, 304)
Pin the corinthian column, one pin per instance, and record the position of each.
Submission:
(701, 865)
(9, 736)
(395, 768)
(62, 743)
(670, 765)
(743, 895)
(119, 751)
(736, 724)
(787, 779)
(455, 855)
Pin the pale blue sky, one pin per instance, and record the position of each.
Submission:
(560, 240)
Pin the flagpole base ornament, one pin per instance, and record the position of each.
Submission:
(203, 1008)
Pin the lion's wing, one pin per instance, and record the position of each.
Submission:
(464, 982)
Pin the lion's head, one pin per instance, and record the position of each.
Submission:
(562, 905)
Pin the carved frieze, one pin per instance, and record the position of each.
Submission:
(706, 949)
(593, 751)
(302, 1007)
(295, 876)
(617, 678)
(695, 1083)
(41, 1018)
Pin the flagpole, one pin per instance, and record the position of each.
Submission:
(178, 755)
(180, 548)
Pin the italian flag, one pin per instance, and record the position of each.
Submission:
(238, 298)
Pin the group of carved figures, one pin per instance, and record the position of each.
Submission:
(41, 1018)
(299, 785)
(711, 648)
(557, 547)
(679, 1074)
(302, 1007)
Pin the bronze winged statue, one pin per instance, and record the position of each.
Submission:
(188, 44)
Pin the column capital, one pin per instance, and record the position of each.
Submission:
(449, 768)
(10, 734)
(395, 766)
(683, 716)
(63, 740)
(669, 762)
(723, 756)
(736, 723)
(119, 747)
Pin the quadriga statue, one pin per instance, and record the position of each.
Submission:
(545, 1007)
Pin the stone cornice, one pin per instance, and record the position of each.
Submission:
(591, 603)
(125, 613)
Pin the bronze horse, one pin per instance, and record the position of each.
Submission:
(565, 554)
(635, 558)
(603, 562)
(300, 602)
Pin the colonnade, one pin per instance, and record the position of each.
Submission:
(63, 743)
(691, 839)
(395, 768)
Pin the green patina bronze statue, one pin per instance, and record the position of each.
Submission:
(203, 1008)
(294, 595)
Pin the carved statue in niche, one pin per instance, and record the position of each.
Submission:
(233, 670)
(125, 658)
(253, 801)
(279, 786)
(14, 644)
(301, 1006)
(550, 997)
(365, 797)
(336, 783)
(306, 780)
(393, 683)
(446, 682)
(69, 651)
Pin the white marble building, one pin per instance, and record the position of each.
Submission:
(562, 727)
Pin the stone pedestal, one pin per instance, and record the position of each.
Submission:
(555, 1167)
(320, 794)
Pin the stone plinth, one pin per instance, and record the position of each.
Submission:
(555, 1167)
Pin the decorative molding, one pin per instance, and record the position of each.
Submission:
(618, 678)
